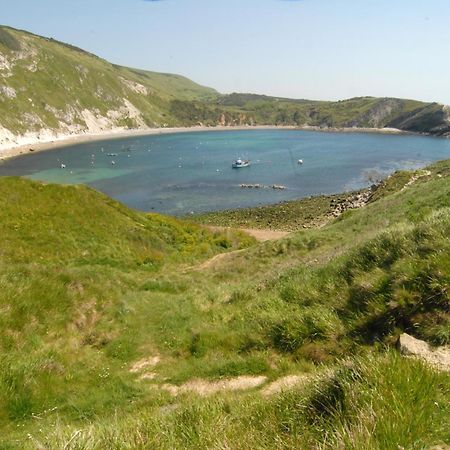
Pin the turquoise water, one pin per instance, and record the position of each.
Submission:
(180, 173)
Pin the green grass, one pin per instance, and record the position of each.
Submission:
(89, 287)
(56, 224)
(371, 403)
(74, 266)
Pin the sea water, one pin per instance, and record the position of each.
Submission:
(191, 172)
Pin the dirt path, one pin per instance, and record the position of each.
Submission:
(215, 260)
(242, 383)
(265, 235)
(259, 235)
(418, 174)
(205, 387)
(284, 384)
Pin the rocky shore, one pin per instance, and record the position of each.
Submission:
(353, 201)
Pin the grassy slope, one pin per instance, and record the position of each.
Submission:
(380, 403)
(74, 265)
(88, 287)
(51, 83)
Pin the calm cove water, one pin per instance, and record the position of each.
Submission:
(180, 173)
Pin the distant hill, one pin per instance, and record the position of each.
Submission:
(46, 84)
(360, 112)
(49, 87)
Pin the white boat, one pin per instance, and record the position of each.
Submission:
(240, 163)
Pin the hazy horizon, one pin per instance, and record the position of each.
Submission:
(311, 49)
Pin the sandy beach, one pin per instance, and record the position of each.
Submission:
(50, 142)
(65, 140)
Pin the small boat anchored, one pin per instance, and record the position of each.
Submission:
(240, 163)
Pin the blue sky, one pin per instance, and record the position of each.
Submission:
(317, 49)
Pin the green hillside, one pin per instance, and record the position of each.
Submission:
(47, 86)
(362, 112)
(120, 329)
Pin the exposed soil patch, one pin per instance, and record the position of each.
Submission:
(265, 235)
(205, 388)
(216, 260)
(148, 376)
(259, 235)
(145, 363)
(283, 384)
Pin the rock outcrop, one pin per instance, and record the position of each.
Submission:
(438, 357)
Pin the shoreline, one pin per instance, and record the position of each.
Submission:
(56, 142)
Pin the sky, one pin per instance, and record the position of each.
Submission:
(314, 49)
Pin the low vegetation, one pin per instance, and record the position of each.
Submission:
(115, 324)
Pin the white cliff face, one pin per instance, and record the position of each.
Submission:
(96, 122)
(447, 113)
(134, 86)
(7, 139)
(5, 65)
(93, 123)
(7, 92)
(133, 113)
(73, 119)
